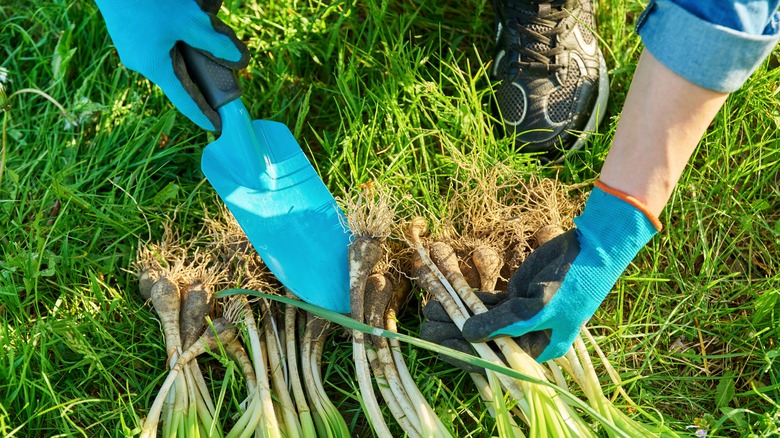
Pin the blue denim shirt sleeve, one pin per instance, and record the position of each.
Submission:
(714, 44)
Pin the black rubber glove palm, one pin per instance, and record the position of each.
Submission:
(439, 328)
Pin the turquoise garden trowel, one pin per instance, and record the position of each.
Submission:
(261, 173)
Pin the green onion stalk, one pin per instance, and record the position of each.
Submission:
(378, 295)
(292, 425)
(370, 217)
(550, 414)
(430, 423)
(260, 410)
(331, 421)
(302, 406)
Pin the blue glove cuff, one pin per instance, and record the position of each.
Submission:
(611, 231)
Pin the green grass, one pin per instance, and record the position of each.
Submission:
(393, 92)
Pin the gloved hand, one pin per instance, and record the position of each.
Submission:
(439, 328)
(562, 283)
(145, 33)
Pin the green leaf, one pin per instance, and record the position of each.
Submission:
(737, 416)
(62, 55)
(13, 175)
(4, 102)
(303, 110)
(166, 194)
(760, 205)
(48, 272)
(766, 305)
(725, 391)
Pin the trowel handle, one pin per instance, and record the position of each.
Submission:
(217, 82)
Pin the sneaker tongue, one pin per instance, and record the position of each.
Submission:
(535, 45)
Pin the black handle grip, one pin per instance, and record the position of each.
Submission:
(217, 82)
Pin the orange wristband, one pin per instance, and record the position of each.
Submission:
(633, 201)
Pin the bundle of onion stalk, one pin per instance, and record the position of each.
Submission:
(542, 407)
(290, 399)
(276, 351)
(178, 284)
(376, 295)
(290, 347)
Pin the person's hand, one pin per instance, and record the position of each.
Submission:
(146, 33)
(562, 283)
(440, 329)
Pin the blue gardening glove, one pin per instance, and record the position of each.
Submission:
(562, 283)
(146, 33)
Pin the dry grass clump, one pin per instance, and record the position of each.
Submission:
(237, 258)
(499, 209)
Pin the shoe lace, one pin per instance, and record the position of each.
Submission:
(540, 23)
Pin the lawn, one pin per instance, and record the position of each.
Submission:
(393, 93)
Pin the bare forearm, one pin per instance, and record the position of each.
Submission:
(663, 119)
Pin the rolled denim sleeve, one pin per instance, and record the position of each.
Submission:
(716, 51)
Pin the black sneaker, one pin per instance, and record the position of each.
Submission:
(551, 82)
